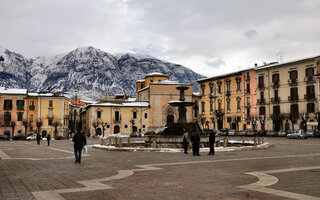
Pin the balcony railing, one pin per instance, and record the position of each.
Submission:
(275, 84)
(310, 97)
(293, 98)
(228, 93)
(50, 116)
(31, 107)
(261, 101)
(219, 112)
(292, 82)
(247, 91)
(309, 79)
(261, 87)
(7, 107)
(275, 100)
(20, 107)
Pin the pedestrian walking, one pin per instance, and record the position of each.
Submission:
(186, 141)
(195, 139)
(212, 139)
(79, 140)
(48, 139)
(38, 138)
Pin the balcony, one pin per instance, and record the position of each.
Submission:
(261, 87)
(275, 100)
(228, 93)
(261, 101)
(213, 95)
(219, 113)
(309, 97)
(310, 79)
(7, 107)
(247, 91)
(275, 115)
(293, 98)
(50, 116)
(117, 121)
(275, 84)
(292, 82)
(31, 107)
(20, 107)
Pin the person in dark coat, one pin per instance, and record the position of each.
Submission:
(195, 139)
(38, 138)
(212, 139)
(80, 141)
(48, 139)
(185, 141)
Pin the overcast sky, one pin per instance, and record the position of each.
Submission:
(210, 37)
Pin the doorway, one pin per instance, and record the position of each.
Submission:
(116, 129)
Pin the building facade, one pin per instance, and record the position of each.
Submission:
(289, 90)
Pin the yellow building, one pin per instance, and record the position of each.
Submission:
(53, 114)
(32, 114)
(221, 102)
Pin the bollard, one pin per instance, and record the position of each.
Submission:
(225, 144)
(243, 140)
(129, 142)
(255, 141)
(259, 140)
(154, 144)
(262, 140)
(120, 142)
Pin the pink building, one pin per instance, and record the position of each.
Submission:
(250, 99)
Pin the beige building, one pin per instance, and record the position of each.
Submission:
(288, 91)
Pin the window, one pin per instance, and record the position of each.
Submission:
(134, 115)
(31, 106)
(293, 74)
(248, 101)
(262, 96)
(202, 107)
(248, 87)
(276, 110)
(294, 109)
(7, 118)
(117, 116)
(275, 77)
(294, 93)
(202, 89)
(310, 92)
(248, 113)
(151, 81)
(219, 88)
(238, 86)
(20, 115)
(261, 82)
(211, 106)
(309, 72)
(196, 109)
(276, 94)
(125, 126)
(262, 110)
(228, 86)
(211, 89)
(50, 122)
(310, 108)
(142, 85)
(145, 115)
(238, 104)
(20, 104)
(143, 126)
(50, 103)
(7, 105)
(31, 118)
(98, 114)
(228, 105)
(248, 76)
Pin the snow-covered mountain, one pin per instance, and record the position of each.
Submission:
(88, 71)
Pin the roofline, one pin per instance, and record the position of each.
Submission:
(224, 75)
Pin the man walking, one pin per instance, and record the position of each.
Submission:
(48, 139)
(212, 138)
(195, 139)
(38, 138)
(79, 140)
(185, 141)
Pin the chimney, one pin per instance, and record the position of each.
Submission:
(255, 65)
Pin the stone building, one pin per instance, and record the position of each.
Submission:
(288, 91)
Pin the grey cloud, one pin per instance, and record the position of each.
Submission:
(251, 33)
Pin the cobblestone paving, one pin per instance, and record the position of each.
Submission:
(30, 168)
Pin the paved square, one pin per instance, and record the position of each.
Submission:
(290, 170)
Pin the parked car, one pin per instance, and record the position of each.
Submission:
(297, 134)
(310, 133)
(19, 137)
(252, 132)
(243, 133)
(271, 133)
(135, 134)
(32, 137)
(4, 137)
(233, 132)
(282, 133)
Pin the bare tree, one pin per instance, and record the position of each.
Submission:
(26, 124)
(95, 124)
(13, 125)
(56, 123)
(39, 124)
(103, 124)
(304, 118)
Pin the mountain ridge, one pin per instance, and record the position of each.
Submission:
(88, 71)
